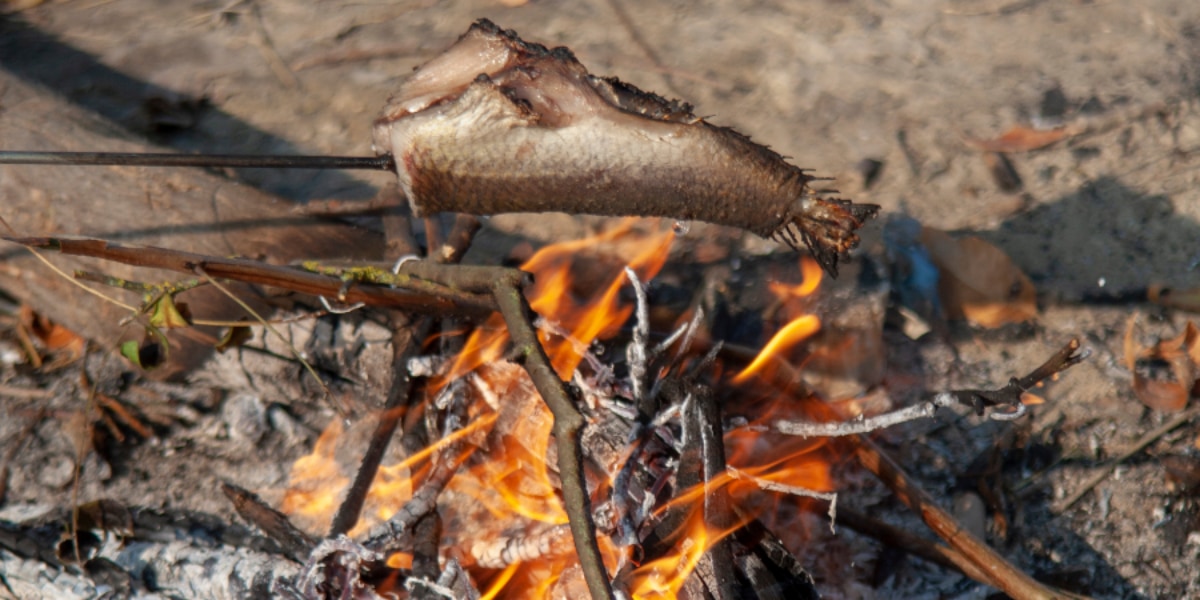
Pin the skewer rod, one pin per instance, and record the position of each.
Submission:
(375, 163)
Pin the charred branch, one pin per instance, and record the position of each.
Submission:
(152, 551)
(296, 544)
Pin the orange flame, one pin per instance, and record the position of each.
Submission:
(664, 577)
(811, 273)
(316, 482)
(316, 479)
(801, 327)
(585, 321)
(514, 484)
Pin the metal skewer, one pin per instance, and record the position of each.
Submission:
(374, 163)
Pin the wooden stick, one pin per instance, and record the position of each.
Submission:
(296, 544)
(909, 542)
(973, 553)
(444, 301)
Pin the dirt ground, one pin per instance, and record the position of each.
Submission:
(1096, 219)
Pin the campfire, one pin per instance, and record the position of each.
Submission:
(502, 517)
(555, 430)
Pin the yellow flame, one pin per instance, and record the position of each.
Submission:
(811, 273)
(500, 581)
(793, 333)
(316, 479)
(664, 577)
(794, 299)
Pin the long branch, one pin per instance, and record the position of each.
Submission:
(441, 301)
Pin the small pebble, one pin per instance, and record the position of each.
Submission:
(57, 471)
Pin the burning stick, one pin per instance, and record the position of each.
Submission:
(568, 429)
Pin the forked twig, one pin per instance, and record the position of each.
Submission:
(568, 427)
(1009, 395)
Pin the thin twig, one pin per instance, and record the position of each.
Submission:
(397, 222)
(446, 301)
(911, 543)
(1009, 395)
(1145, 441)
(791, 490)
(199, 270)
(636, 353)
(458, 241)
(865, 424)
(567, 430)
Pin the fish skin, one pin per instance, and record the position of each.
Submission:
(496, 124)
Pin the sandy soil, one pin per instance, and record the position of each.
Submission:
(1097, 219)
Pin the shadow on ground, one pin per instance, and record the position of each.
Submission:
(1106, 239)
(151, 111)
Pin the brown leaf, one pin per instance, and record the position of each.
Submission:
(1163, 374)
(978, 281)
(54, 337)
(77, 426)
(1183, 472)
(1023, 139)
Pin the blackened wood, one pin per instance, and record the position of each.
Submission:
(702, 423)
(770, 567)
(296, 544)
(427, 534)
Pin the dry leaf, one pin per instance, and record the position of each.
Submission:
(1023, 139)
(54, 337)
(978, 282)
(1163, 374)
